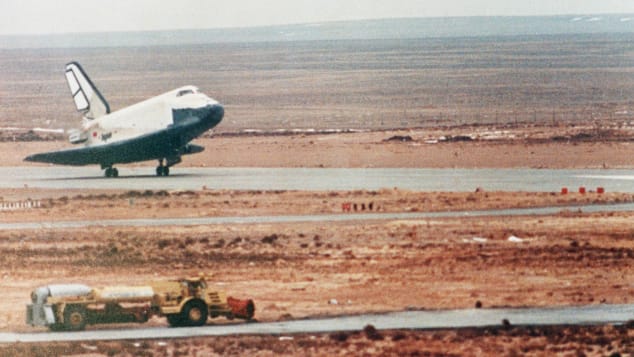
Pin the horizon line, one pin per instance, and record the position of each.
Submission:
(573, 15)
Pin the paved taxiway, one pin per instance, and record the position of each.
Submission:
(581, 315)
(320, 179)
(158, 222)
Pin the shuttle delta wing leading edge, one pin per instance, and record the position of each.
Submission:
(159, 128)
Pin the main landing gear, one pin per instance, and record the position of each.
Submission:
(112, 172)
(162, 170)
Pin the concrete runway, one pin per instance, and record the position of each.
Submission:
(188, 178)
(582, 315)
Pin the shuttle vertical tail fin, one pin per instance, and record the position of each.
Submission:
(87, 97)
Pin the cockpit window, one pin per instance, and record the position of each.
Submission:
(184, 92)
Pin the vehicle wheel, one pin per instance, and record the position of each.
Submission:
(108, 172)
(174, 320)
(75, 317)
(195, 313)
(115, 173)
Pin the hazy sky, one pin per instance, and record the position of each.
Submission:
(47, 16)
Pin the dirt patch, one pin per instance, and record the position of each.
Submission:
(296, 270)
(69, 205)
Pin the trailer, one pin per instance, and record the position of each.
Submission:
(183, 302)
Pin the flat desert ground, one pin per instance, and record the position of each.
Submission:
(296, 270)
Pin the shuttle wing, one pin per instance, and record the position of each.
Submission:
(166, 143)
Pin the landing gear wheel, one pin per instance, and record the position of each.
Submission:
(194, 313)
(74, 318)
(112, 172)
(162, 171)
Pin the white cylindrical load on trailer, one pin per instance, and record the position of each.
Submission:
(124, 294)
(58, 290)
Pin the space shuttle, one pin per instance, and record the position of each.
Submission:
(159, 128)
